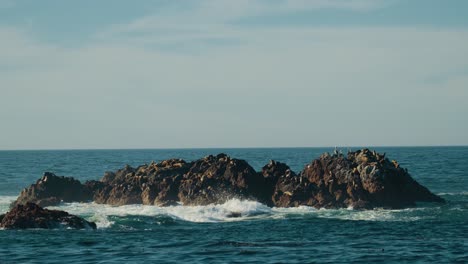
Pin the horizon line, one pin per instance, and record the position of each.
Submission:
(208, 148)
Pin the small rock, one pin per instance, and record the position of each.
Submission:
(31, 215)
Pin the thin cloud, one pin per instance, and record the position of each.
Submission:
(212, 18)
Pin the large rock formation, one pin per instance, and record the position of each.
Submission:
(51, 190)
(362, 179)
(31, 215)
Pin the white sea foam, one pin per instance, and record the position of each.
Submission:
(452, 194)
(245, 210)
(100, 213)
(8, 199)
(5, 202)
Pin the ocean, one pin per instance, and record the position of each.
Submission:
(205, 234)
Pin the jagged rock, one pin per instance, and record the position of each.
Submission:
(362, 179)
(153, 184)
(271, 173)
(51, 190)
(215, 179)
(292, 190)
(31, 215)
(164, 181)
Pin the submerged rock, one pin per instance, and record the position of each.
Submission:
(363, 179)
(31, 215)
(51, 190)
(234, 215)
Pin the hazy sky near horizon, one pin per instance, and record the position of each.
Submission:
(222, 73)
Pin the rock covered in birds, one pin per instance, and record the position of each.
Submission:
(362, 179)
(31, 215)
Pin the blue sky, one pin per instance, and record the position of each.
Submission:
(218, 73)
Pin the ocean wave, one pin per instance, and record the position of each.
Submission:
(452, 193)
(5, 201)
(107, 216)
(232, 210)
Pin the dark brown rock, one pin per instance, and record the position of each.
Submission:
(153, 184)
(271, 173)
(31, 215)
(216, 179)
(51, 190)
(293, 190)
(362, 179)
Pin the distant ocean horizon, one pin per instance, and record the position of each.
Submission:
(269, 147)
(204, 234)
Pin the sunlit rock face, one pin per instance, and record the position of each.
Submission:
(362, 179)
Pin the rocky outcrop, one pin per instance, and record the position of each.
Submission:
(215, 179)
(31, 215)
(153, 184)
(363, 179)
(51, 190)
(271, 173)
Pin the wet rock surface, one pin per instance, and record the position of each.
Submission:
(31, 215)
(362, 179)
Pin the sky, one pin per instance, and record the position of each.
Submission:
(222, 73)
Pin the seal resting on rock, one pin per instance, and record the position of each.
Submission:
(31, 215)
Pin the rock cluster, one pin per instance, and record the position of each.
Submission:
(362, 179)
(31, 215)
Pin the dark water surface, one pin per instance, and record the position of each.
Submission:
(204, 234)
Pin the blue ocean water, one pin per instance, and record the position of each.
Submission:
(204, 234)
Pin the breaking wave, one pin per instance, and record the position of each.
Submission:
(107, 216)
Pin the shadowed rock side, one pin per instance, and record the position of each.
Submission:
(51, 190)
(363, 179)
(31, 215)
